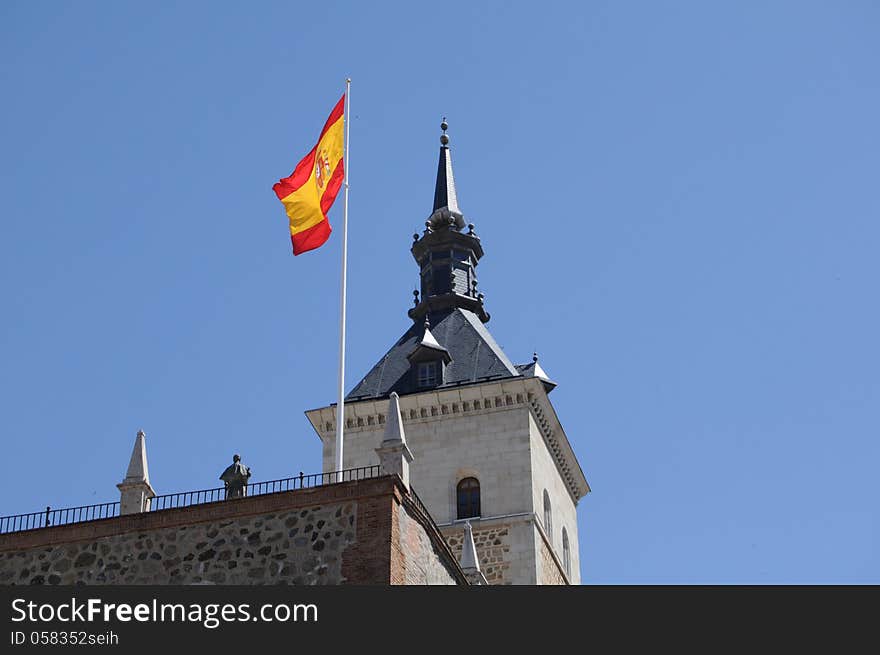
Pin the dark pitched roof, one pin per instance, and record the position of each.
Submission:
(475, 357)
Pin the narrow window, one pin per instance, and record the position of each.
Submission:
(548, 517)
(566, 554)
(468, 492)
(441, 282)
(428, 374)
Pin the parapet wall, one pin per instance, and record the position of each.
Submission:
(345, 533)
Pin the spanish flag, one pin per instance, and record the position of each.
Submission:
(312, 187)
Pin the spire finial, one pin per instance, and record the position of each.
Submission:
(535, 357)
(444, 138)
(427, 323)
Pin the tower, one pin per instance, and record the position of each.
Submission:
(487, 445)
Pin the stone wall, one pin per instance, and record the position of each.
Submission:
(493, 550)
(545, 475)
(294, 547)
(337, 534)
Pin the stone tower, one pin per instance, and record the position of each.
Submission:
(487, 445)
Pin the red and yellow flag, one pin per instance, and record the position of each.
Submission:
(312, 187)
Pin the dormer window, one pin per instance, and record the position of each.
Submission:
(427, 374)
(428, 361)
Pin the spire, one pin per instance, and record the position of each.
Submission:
(393, 425)
(447, 254)
(469, 549)
(137, 465)
(445, 198)
(394, 454)
(469, 562)
(135, 490)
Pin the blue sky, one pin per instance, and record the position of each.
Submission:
(678, 203)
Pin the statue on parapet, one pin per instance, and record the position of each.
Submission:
(235, 478)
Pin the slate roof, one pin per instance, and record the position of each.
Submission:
(476, 357)
(444, 189)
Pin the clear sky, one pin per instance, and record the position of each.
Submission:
(678, 203)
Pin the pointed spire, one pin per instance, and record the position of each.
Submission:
(469, 561)
(137, 465)
(393, 425)
(135, 490)
(445, 209)
(394, 454)
(448, 251)
(534, 370)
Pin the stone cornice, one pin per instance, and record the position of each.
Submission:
(556, 441)
(435, 405)
(474, 399)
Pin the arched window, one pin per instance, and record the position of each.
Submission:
(468, 495)
(548, 517)
(566, 553)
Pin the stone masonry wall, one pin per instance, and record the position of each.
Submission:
(294, 547)
(346, 533)
(493, 550)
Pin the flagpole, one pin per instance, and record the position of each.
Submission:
(340, 407)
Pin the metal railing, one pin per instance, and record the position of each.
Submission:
(420, 504)
(53, 517)
(186, 498)
(50, 517)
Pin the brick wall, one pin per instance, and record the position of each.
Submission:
(425, 555)
(550, 572)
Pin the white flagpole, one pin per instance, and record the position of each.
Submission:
(340, 407)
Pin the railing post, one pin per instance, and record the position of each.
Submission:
(47, 515)
(300, 479)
